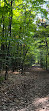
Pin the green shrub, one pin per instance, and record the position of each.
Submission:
(1, 79)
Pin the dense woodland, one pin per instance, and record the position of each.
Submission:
(24, 34)
(24, 55)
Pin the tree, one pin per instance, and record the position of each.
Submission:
(19, 33)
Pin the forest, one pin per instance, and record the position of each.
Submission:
(24, 34)
(24, 45)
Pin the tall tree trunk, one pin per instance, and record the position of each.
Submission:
(10, 22)
(2, 44)
(46, 53)
(3, 25)
(24, 55)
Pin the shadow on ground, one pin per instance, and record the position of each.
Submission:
(27, 92)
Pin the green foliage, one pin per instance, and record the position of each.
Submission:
(20, 41)
(1, 79)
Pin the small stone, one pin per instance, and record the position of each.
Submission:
(43, 108)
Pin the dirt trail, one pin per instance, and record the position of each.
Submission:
(26, 92)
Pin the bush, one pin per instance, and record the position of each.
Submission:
(1, 79)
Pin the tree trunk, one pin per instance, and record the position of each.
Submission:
(6, 73)
(46, 53)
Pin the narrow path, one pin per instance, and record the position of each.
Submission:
(27, 92)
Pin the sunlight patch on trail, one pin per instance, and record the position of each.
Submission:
(24, 109)
(42, 104)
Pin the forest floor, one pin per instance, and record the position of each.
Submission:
(25, 92)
